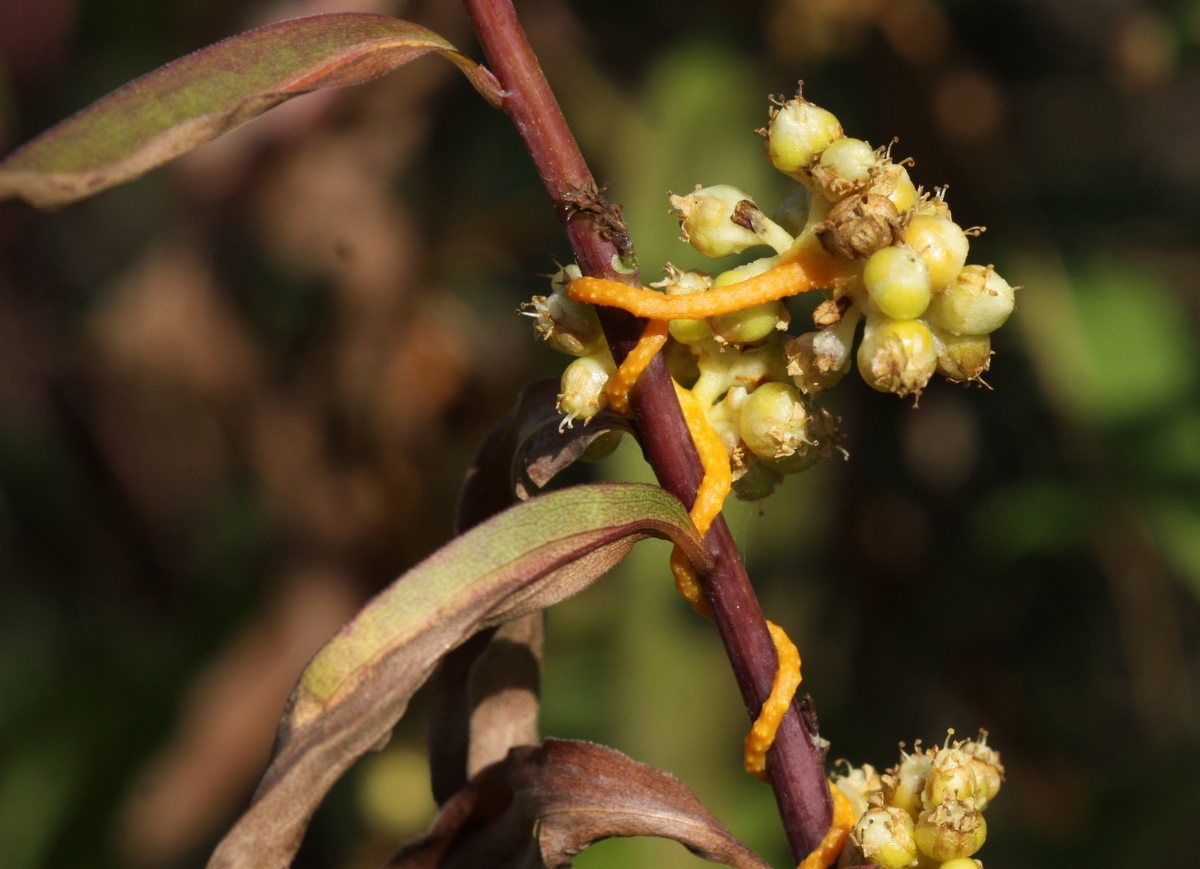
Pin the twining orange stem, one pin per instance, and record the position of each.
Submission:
(718, 480)
(788, 279)
(617, 389)
(826, 853)
(787, 680)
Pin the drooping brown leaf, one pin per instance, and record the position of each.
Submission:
(526, 450)
(357, 687)
(542, 805)
(182, 105)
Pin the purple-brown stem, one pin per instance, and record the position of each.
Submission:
(795, 763)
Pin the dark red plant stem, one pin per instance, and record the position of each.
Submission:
(795, 763)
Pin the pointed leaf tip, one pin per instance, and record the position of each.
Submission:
(188, 102)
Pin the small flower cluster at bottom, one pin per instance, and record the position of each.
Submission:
(925, 812)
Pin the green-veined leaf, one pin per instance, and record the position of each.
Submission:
(357, 687)
(182, 105)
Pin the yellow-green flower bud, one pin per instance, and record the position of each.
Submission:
(950, 778)
(583, 383)
(750, 324)
(961, 357)
(845, 166)
(952, 830)
(977, 303)
(859, 784)
(821, 439)
(708, 222)
(891, 181)
(682, 282)
(904, 782)
(885, 836)
(989, 772)
(798, 132)
(962, 863)
(817, 360)
(897, 356)
(774, 421)
(756, 365)
(897, 280)
(565, 325)
(942, 244)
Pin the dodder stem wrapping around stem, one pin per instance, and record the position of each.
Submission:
(795, 764)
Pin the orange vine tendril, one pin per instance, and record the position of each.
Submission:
(784, 280)
(718, 480)
(635, 363)
(787, 680)
(824, 855)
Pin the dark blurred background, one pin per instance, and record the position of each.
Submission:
(237, 398)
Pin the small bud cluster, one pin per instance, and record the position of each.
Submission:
(927, 811)
(923, 308)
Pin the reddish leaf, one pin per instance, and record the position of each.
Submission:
(542, 806)
(184, 104)
(357, 687)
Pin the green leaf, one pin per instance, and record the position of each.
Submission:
(190, 101)
(357, 687)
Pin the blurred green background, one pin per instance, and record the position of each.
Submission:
(237, 396)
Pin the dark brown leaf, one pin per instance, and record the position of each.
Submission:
(542, 806)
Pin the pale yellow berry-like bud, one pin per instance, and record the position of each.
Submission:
(845, 165)
(583, 383)
(904, 782)
(754, 366)
(750, 324)
(792, 213)
(708, 223)
(884, 835)
(989, 771)
(961, 357)
(897, 355)
(565, 325)
(821, 439)
(933, 204)
(798, 132)
(897, 280)
(683, 282)
(756, 483)
(942, 244)
(892, 182)
(962, 863)
(977, 303)
(859, 784)
(952, 830)
(950, 778)
(774, 421)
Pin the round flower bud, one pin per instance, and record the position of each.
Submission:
(897, 280)
(961, 863)
(792, 213)
(977, 303)
(942, 244)
(756, 483)
(950, 778)
(583, 385)
(774, 421)
(821, 438)
(961, 357)
(904, 783)
(683, 282)
(859, 785)
(891, 181)
(897, 356)
(566, 325)
(707, 220)
(750, 324)
(756, 365)
(845, 166)
(798, 132)
(859, 225)
(989, 772)
(952, 830)
(885, 836)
